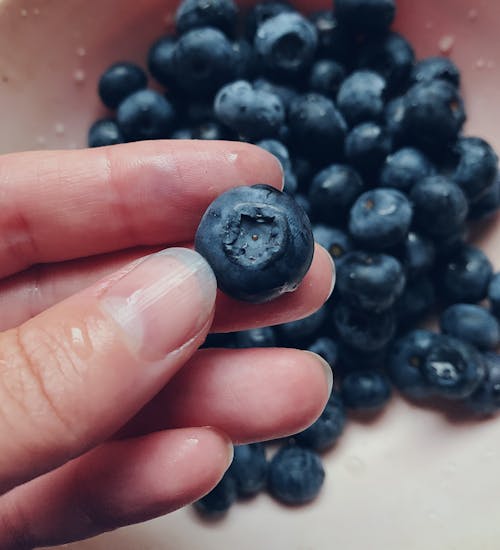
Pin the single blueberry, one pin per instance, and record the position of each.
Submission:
(336, 241)
(298, 332)
(220, 498)
(366, 147)
(417, 300)
(263, 337)
(494, 294)
(120, 81)
(326, 77)
(249, 469)
(403, 168)
(485, 400)
(160, 61)
(261, 12)
(326, 348)
(257, 240)
(192, 14)
(366, 15)
(104, 132)
(417, 255)
(436, 68)
(365, 389)
(296, 475)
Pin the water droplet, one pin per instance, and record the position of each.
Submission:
(472, 14)
(81, 51)
(79, 76)
(446, 44)
(59, 128)
(24, 12)
(480, 63)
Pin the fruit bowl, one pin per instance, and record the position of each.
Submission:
(410, 478)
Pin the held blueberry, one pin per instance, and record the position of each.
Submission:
(220, 498)
(366, 147)
(336, 241)
(366, 15)
(485, 401)
(257, 240)
(405, 167)
(365, 389)
(249, 469)
(436, 68)
(119, 81)
(104, 132)
(192, 14)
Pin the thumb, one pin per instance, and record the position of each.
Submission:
(71, 376)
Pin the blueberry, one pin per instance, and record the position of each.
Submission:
(302, 330)
(285, 45)
(448, 245)
(145, 114)
(477, 167)
(317, 128)
(336, 241)
(303, 169)
(211, 130)
(465, 276)
(120, 81)
(417, 300)
(249, 469)
(494, 294)
(326, 77)
(323, 433)
(333, 192)
(277, 149)
(303, 202)
(257, 240)
(327, 348)
(406, 357)
(372, 282)
(182, 133)
(193, 14)
(453, 369)
(253, 114)
(350, 359)
(264, 337)
(380, 218)
(203, 61)
(262, 12)
(417, 255)
(392, 57)
(291, 184)
(436, 68)
(433, 115)
(473, 324)
(366, 15)
(284, 92)
(403, 168)
(487, 204)
(485, 400)
(104, 132)
(365, 389)
(366, 147)
(296, 475)
(439, 205)
(220, 498)
(361, 97)
(363, 330)
(246, 60)
(394, 117)
(198, 112)
(160, 61)
(334, 41)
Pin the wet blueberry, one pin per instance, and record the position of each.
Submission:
(334, 41)
(284, 92)
(417, 255)
(261, 12)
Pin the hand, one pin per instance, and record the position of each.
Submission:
(97, 328)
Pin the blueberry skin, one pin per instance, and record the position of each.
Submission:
(327, 348)
(336, 241)
(144, 115)
(325, 77)
(104, 132)
(333, 191)
(417, 300)
(351, 359)
(361, 97)
(304, 170)
(120, 81)
(160, 61)
(246, 60)
(472, 324)
(366, 148)
(434, 115)
(317, 128)
(406, 357)
(296, 475)
(253, 114)
(392, 57)
(258, 241)
(284, 92)
(220, 498)
(182, 133)
(326, 430)
(263, 337)
(405, 167)
(487, 204)
(417, 255)
(494, 294)
(453, 369)
(301, 331)
(439, 206)
(394, 117)
(285, 45)
(477, 167)
(485, 401)
(372, 282)
(203, 61)
(303, 202)
(262, 12)
(436, 68)
(249, 469)
(465, 276)
(193, 14)
(380, 218)
(334, 41)
(362, 330)
(365, 390)
(366, 15)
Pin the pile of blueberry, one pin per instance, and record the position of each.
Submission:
(371, 144)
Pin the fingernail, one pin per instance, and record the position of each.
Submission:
(329, 256)
(229, 443)
(163, 302)
(327, 370)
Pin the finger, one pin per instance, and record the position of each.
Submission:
(24, 295)
(68, 204)
(117, 484)
(251, 394)
(70, 377)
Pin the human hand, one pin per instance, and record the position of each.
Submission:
(100, 426)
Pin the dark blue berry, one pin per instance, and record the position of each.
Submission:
(119, 81)
(257, 240)
(361, 97)
(327, 348)
(211, 130)
(473, 324)
(302, 330)
(291, 183)
(249, 469)
(182, 133)
(262, 12)
(380, 218)
(372, 282)
(160, 61)
(417, 300)
(406, 358)
(350, 359)
(220, 498)
(485, 400)
(296, 475)
(263, 337)
(334, 41)
(448, 245)
(277, 149)
(487, 204)
(436, 68)
(494, 294)
(417, 255)
(198, 112)
(284, 92)
(145, 114)
(403, 168)
(453, 369)
(303, 169)
(336, 241)
(366, 15)
(326, 77)
(253, 114)
(104, 132)
(366, 147)
(193, 14)
(365, 389)
(303, 202)
(394, 117)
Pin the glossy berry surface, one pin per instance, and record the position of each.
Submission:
(257, 240)
(120, 81)
(192, 14)
(104, 132)
(365, 389)
(249, 469)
